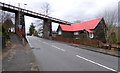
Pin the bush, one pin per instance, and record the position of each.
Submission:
(4, 32)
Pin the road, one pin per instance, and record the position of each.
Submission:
(57, 56)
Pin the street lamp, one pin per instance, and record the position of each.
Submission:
(19, 5)
(24, 5)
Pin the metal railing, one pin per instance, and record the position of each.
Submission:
(33, 13)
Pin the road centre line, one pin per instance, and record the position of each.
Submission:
(54, 46)
(80, 57)
(58, 48)
(44, 42)
(96, 63)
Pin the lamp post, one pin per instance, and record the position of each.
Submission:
(25, 5)
(19, 5)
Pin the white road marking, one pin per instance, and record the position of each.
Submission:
(45, 43)
(29, 42)
(96, 63)
(58, 48)
(76, 48)
(54, 47)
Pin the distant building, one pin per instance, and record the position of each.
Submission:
(94, 29)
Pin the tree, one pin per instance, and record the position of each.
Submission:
(6, 16)
(3, 32)
(0, 16)
(35, 33)
(113, 36)
(8, 24)
(110, 17)
(6, 20)
(31, 29)
(39, 24)
(46, 8)
(77, 21)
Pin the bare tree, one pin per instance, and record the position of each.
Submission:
(6, 19)
(77, 21)
(39, 25)
(6, 16)
(0, 16)
(110, 17)
(46, 8)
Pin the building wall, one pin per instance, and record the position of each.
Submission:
(65, 34)
(100, 31)
(82, 34)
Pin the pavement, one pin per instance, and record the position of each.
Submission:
(58, 56)
(99, 50)
(0, 54)
(18, 57)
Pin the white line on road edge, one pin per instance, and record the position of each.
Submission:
(29, 43)
(96, 63)
(58, 48)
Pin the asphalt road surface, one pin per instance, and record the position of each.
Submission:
(57, 56)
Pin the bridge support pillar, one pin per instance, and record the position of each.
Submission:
(19, 24)
(47, 28)
(16, 22)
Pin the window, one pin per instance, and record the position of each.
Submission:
(76, 33)
(59, 32)
(91, 35)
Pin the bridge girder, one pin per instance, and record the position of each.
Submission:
(19, 19)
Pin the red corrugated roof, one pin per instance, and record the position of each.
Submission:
(66, 27)
(87, 25)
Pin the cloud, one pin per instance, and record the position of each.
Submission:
(69, 10)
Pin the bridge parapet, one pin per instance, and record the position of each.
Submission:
(12, 8)
(19, 19)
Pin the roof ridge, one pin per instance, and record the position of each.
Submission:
(91, 24)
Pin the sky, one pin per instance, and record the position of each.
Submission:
(69, 10)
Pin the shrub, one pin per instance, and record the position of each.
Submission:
(4, 32)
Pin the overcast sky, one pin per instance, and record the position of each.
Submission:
(69, 10)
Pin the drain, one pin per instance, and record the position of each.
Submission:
(38, 48)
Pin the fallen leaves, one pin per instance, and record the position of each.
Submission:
(29, 64)
(5, 54)
(33, 69)
(12, 53)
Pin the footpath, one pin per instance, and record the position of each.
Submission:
(111, 52)
(18, 57)
(99, 50)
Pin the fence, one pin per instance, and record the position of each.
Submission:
(88, 42)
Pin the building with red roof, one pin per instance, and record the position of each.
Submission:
(94, 29)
